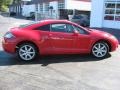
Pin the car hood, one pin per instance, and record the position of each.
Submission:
(96, 32)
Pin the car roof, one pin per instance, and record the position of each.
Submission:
(43, 22)
(54, 21)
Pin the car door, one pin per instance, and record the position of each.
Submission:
(83, 40)
(62, 38)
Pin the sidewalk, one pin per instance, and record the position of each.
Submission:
(12, 21)
(115, 32)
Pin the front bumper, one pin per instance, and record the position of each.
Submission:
(114, 45)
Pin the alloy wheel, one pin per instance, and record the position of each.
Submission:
(100, 49)
(27, 52)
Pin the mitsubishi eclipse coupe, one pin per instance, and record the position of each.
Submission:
(51, 37)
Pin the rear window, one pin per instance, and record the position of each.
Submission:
(43, 28)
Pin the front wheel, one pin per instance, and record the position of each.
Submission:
(27, 52)
(100, 49)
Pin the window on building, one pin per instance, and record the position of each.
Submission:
(112, 10)
(108, 17)
(118, 5)
(41, 7)
(36, 7)
(61, 4)
(46, 6)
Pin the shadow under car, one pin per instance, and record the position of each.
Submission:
(8, 60)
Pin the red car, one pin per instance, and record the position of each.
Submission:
(51, 37)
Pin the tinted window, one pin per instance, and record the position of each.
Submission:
(43, 28)
(62, 28)
(70, 28)
(80, 30)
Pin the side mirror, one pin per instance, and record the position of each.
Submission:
(76, 32)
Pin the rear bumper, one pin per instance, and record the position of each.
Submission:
(8, 46)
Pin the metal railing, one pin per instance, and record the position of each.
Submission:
(43, 16)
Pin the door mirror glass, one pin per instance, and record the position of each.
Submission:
(76, 32)
(80, 30)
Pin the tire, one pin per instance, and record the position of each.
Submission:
(27, 52)
(100, 49)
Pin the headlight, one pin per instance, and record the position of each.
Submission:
(111, 36)
(106, 35)
(9, 35)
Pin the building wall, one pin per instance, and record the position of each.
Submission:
(54, 4)
(57, 4)
(105, 13)
(97, 13)
(78, 4)
(54, 12)
(26, 9)
(16, 9)
(111, 24)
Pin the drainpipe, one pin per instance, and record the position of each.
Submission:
(36, 11)
(35, 15)
(73, 12)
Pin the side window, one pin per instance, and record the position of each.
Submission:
(70, 28)
(58, 27)
(80, 30)
(43, 28)
(62, 28)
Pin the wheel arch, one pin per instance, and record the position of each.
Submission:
(27, 41)
(106, 41)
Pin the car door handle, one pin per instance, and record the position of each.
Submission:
(55, 38)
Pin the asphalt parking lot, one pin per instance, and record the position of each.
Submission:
(61, 72)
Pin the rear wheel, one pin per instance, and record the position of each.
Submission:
(27, 52)
(100, 49)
